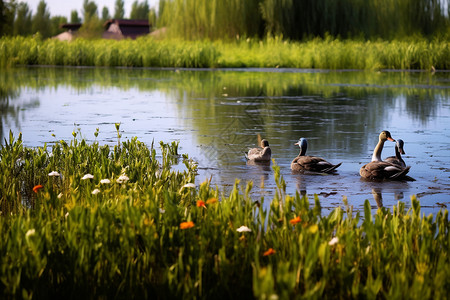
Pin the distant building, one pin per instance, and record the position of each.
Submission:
(69, 34)
(118, 29)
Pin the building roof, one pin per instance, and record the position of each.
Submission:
(122, 28)
(126, 22)
(71, 26)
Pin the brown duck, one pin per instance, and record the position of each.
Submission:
(397, 159)
(310, 163)
(262, 154)
(381, 170)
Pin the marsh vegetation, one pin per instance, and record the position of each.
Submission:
(327, 53)
(89, 221)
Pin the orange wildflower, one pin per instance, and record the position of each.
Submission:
(269, 252)
(201, 203)
(211, 201)
(295, 220)
(37, 188)
(186, 225)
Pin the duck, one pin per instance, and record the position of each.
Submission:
(378, 169)
(304, 162)
(262, 154)
(397, 159)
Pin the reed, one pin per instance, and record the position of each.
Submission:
(117, 221)
(328, 53)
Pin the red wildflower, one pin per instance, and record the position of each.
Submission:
(201, 203)
(186, 225)
(37, 188)
(295, 220)
(269, 252)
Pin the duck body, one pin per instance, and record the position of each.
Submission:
(263, 154)
(383, 170)
(310, 163)
(397, 159)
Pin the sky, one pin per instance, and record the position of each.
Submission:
(64, 8)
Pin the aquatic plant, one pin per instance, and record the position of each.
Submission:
(157, 234)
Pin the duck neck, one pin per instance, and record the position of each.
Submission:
(302, 151)
(397, 153)
(377, 151)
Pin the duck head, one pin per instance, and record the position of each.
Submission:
(303, 144)
(264, 143)
(399, 145)
(386, 136)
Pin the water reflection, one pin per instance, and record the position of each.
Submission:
(217, 115)
(393, 191)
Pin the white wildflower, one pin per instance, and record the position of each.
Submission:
(53, 173)
(66, 215)
(333, 241)
(105, 181)
(122, 178)
(189, 185)
(162, 210)
(30, 232)
(60, 195)
(87, 176)
(243, 229)
(95, 192)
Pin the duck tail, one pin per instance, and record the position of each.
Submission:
(331, 169)
(409, 178)
(401, 174)
(246, 155)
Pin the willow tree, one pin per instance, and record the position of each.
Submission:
(41, 20)
(22, 22)
(213, 19)
(296, 19)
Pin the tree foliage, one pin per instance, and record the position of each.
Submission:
(139, 11)
(298, 19)
(7, 11)
(105, 14)
(74, 18)
(22, 22)
(41, 20)
(89, 10)
(119, 10)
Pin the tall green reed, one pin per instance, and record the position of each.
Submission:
(327, 53)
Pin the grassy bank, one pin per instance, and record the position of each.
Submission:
(89, 221)
(146, 52)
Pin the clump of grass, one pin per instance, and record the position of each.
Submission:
(116, 222)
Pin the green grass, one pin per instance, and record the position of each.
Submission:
(126, 239)
(326, 53)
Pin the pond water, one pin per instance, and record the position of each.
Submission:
(217, 115)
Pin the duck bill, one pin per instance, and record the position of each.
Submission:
(298, 143)
(391, 139)
(401, 151)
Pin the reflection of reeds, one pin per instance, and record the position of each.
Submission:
(273, 52)
(116, 223)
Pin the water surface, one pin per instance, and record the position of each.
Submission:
(217, 115)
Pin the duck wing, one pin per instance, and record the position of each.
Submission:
(313, 164)
(380, 170)
(394, 160)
